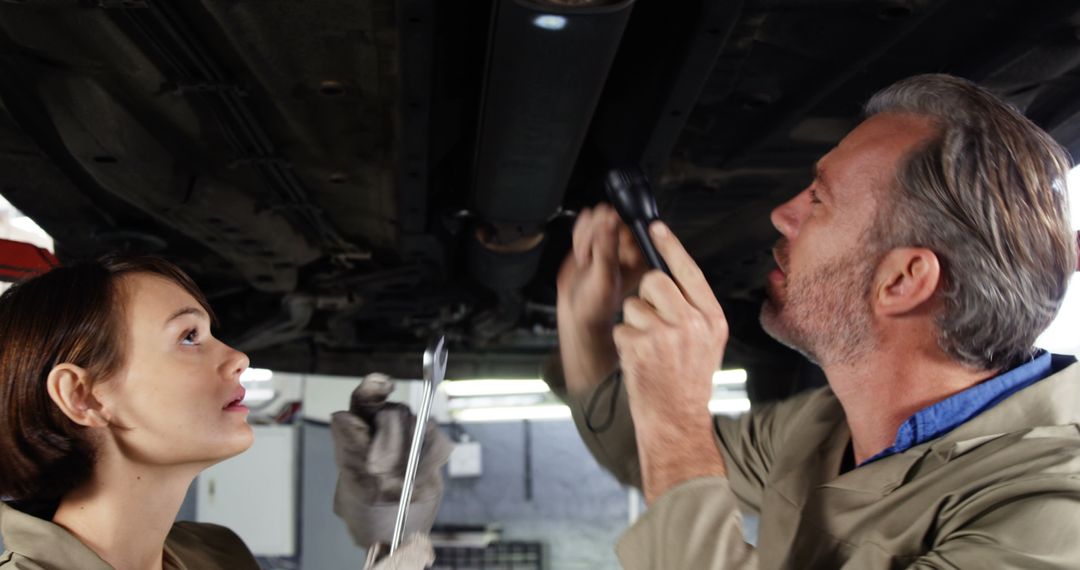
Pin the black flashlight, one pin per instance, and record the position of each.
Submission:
(630, 194)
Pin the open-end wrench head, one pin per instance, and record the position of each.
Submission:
(435, 361)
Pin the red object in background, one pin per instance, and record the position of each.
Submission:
(20, 260)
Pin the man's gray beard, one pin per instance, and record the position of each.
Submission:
(825, 316)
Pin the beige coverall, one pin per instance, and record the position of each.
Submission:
(35, 544)
(1000, 491)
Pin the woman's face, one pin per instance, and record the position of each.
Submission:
(177, 399)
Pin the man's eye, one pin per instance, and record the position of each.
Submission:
(813, 197)
(191, 337)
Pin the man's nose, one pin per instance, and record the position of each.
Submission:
(786, 218)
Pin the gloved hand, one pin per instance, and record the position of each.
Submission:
(371, 446)
(414, 553)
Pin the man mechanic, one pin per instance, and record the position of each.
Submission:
(917, 269)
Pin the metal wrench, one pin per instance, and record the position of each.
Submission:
(434, 372)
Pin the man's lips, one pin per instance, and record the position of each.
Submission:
(776, 277)
(780, 256)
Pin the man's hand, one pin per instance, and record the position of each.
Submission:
(672, 339)
(604, 266)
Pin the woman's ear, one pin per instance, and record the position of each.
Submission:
(70, 389)
(906, 279)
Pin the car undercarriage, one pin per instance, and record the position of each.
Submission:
(346, 178)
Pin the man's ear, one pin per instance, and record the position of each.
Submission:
(906, 279)
(70, 389)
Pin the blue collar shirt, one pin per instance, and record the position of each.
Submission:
(938, 419)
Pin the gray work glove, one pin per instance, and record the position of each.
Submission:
(415, 553)
(371, 446)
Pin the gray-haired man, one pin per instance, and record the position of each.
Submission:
(917, 269)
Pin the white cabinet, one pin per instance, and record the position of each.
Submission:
(254, 493)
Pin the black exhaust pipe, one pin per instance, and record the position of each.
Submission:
(547, 63)
(546, 66)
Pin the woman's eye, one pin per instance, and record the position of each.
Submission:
(190, 337)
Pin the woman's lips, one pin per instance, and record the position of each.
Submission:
(236, 404)
(236, 407)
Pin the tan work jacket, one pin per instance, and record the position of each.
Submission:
(1000, 491)
(35, 544)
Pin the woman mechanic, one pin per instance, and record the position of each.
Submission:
(114, 395)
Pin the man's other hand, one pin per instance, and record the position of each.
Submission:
(671, 340)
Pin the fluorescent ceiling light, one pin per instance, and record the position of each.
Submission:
(513, 413)
(501, 401)
(256, 375)
(495, 387)
(732, 377)
(466, 388)
(560, 412)
(258, 395)
(550, 22)
(729, 405)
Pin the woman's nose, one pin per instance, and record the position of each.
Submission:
(236, 363)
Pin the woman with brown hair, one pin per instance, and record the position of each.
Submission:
(114, 395)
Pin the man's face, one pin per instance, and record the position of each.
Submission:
(820, 294)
